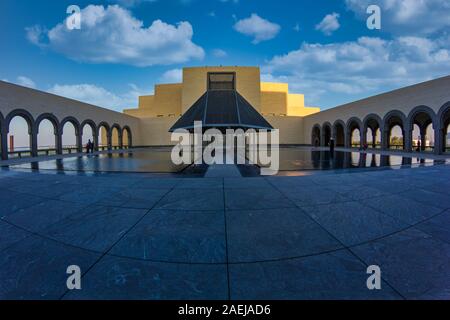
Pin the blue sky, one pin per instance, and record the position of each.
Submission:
(322, 48)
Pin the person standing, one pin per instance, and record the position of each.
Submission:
(332, 146)
(88, 146)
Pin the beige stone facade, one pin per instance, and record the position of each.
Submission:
(160, 111)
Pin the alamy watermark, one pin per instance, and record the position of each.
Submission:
(374, 280)
(74, 280)
(213, 146)
(374, 20)
(73, 21)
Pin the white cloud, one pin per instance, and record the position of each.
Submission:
(113, 35)
(258, 28)
(219, 53)
(412, 17)
(329, 24)
(172, 76)
(99, 96)
(330, 74)
(22, 81)
(26, 82)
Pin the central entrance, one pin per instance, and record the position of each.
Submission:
(221, 81)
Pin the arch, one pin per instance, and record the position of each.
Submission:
(443, 117)
(76, 125)
(390, 120)
(423, 121)
(3, 139)
(89, 123)
(315, 135)
(353, 124)
(56, 129)
(372, 119)
(374, 123)
(31, 127)
(21, 113)
(129, 135)
(72, 120)
(327, 132)
(117, 127)
(48, 116)
(339, 134)
(93, 126)
(106, 135)
(422, 116)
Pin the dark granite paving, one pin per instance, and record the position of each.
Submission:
(137, 236)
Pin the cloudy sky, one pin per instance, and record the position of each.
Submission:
(322, 48)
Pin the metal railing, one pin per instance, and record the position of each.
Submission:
(19, 154)
(26, 153)
(396, 147)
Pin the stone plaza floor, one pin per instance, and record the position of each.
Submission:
(141, 236)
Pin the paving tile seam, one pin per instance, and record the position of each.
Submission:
(434, 191)
(373, 207)
(115, 243)
(410, 226)
(269, 260)
(300, 257)
(350, 251)
(44, 198)
(29, 235)
(226, 241)
(348, 200)
(79, 202)
(383, 279)
(426, 203)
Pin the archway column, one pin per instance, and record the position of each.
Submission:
(362, 137)
(407, 139)
(374, 138)
(322, 138)
(4, 143)
(439, 141)
(423, 138)
(109, 139)
(120, 135)
(95, 138)
(363, 133)
(79, 140)
(34, 142)
(347, 139)
(58, 142)
(385, 139)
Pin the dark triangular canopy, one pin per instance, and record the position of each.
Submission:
(222, 109)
